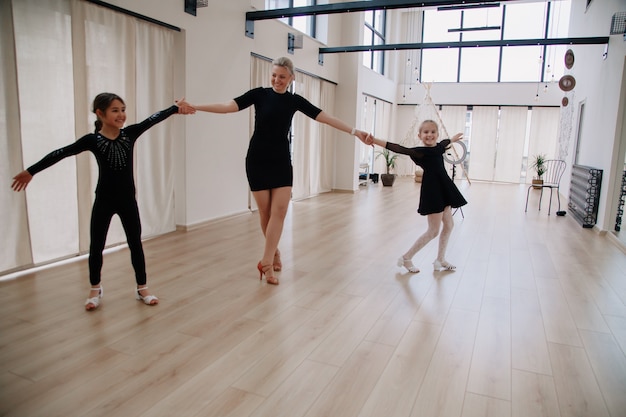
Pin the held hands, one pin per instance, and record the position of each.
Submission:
(184, 107)
(21, 180)
(364, 137)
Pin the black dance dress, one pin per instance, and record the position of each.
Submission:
(438, 190)
(268, 162)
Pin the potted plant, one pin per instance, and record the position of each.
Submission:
(539, 165)
(390, 162)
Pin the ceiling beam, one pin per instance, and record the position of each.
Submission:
(358, 6)
(598, 40)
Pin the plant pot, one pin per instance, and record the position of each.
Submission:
(388, 179)
(537, 183)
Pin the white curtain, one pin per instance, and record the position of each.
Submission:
(368, 124)
(45, 88)
(511, 137)
(376, 120)
(154, 164)
(15, 250)
(453, 118)
(312, 146)
(543, 137)
(483, 143)
(66, 52)
(306, 138)
(323, 183)
(382, 115)
(260, 74)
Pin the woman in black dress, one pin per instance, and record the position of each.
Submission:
(268, 161)
(438, 193)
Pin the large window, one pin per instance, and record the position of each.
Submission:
(305, 24)
(374, 34)
(536, 63)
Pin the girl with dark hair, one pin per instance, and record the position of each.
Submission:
(112, 144)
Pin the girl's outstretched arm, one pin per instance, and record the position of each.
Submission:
(456, 137)
(379, 142)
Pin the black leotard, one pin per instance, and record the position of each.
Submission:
(268, 162)
(114, 157)
(437, 190)
(115, 192)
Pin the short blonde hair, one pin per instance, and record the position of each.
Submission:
(427, 121)
(284, 62)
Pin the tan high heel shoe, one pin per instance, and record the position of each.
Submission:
(278, 265)
(263, 270)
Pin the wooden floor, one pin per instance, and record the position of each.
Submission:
(532, 323)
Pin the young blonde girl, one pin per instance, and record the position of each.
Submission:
(438, 194)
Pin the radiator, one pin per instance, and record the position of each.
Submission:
(620, 206)
(584, 194)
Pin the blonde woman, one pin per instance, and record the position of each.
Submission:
(268, 161)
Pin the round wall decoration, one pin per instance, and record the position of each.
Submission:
(567, 83)
(565, 101)
(569, 59)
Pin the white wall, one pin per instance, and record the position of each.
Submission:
(599, 83)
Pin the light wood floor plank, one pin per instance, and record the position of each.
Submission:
(349, 390)
(609, 366)
(399, 384)
(557, 318)
(533, 395)
(532, 323)
(481, 406)
(529, 347)
(296, 395)
(490, 373)
(271, 371)
(444, 386)
(576, 386)
(231, 403)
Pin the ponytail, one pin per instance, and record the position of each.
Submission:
(102, 103)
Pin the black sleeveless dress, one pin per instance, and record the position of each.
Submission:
(268, 161)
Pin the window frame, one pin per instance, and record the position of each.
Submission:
(376, 58)
(545, 55)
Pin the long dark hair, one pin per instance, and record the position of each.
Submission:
(102, 103)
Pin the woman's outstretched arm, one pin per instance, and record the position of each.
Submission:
(225, 107)
(332, 121)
